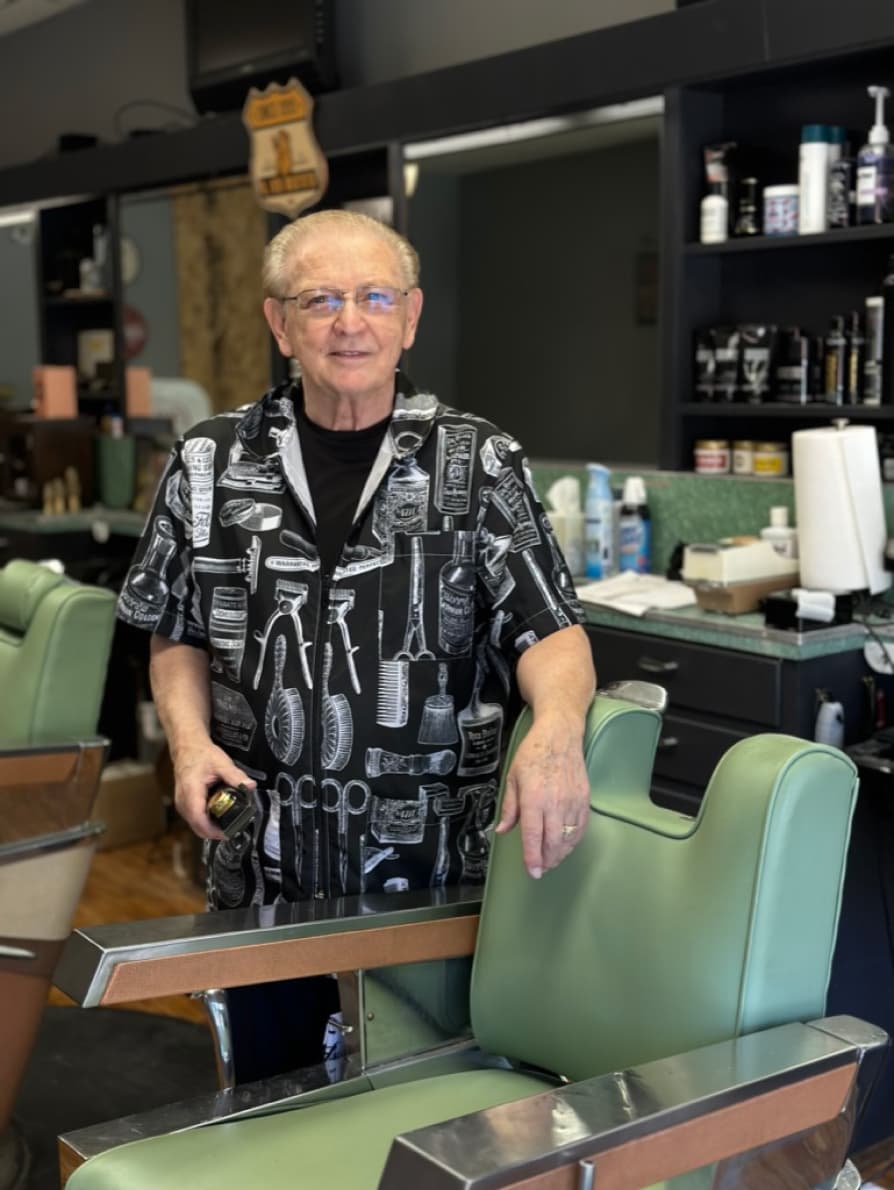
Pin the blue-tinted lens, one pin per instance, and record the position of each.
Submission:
(321, 301)
(377, 300)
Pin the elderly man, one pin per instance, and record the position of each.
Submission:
(348, 586)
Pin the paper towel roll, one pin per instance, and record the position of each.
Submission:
(839, 507)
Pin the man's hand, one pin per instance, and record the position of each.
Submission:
(548, 792)
(547, 787)
(195, 771)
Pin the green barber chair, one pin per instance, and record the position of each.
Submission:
(55, 636)
(648, 1010)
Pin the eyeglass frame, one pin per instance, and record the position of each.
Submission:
(344, 294)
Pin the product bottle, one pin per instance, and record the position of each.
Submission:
(747, 216)
(813, 179)
(714, 215)
(873, 366)
(793, 367)
(714, 212)
(834, 362)
(635, 536)
(886, 380)
(875, 168)
(841, 169)
(780, 534)
(856, 355)
(598, 523)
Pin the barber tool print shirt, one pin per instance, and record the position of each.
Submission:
(370, 705)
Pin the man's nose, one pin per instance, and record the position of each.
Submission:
(349, 317)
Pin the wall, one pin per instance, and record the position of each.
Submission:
(75, 71)
(549, 346)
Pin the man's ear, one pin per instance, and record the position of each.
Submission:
(275, 313)
(414, 310)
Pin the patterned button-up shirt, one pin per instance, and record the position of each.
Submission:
(371, 706)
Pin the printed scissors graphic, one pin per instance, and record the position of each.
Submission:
(415, 619)
(343, 807)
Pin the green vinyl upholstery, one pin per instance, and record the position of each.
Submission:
(659, 934)
(55, 636)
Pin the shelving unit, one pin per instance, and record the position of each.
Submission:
(772, 280)
(65, 238)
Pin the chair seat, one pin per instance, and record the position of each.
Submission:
(341, 1144)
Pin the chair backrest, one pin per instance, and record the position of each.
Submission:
(55, 636)
(40, 884)
(662, 933)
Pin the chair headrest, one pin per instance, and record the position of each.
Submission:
(22, 587)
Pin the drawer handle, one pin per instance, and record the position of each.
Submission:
(653, 666)
(668, 743)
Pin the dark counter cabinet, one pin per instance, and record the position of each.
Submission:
(718, 696)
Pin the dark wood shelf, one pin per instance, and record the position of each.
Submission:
(825, 239)
(88, 299)
(814, 410)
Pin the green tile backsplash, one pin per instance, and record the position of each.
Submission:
(688, 507)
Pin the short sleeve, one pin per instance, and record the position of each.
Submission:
(526, 582)
(158, 594)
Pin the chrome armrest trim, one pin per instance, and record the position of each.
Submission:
(92, 954)
(504, 1146)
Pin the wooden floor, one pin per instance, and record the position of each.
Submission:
(139, 881)
(153, 880)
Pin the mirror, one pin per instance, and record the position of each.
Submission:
(190, 265)
(539, 247)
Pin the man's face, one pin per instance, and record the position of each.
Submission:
(351, 353)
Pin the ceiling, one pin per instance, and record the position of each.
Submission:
(16, 14)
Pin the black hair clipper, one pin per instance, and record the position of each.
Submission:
(230, 807)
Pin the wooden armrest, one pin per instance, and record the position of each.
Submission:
(658, 1120)
(48, 787)
(115, 964)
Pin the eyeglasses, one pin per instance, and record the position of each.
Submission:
(327, 303)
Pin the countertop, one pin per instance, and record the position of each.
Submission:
(745, 633)
(97, 520)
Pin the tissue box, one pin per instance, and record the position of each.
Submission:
(734, 599)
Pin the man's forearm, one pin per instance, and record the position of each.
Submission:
(181, 690)
(556, 676)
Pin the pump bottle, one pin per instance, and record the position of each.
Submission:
(875, 168)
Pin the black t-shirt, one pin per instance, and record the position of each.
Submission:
(337, 463)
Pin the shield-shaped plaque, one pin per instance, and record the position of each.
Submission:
(287, 166)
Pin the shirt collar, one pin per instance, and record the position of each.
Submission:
(269, 421)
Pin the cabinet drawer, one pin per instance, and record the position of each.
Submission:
(698, 678)
(689, 749)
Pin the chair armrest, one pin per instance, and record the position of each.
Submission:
(114, 964)
(48, 787)
(660, 1119)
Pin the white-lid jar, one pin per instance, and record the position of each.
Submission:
(781, 210)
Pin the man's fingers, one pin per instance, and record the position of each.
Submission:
(509, 815)
(532, 826)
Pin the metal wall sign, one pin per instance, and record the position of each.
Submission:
(288, 169)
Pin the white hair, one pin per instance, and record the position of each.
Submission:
(286, 246)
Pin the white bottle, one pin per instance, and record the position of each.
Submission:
(813, 179)
(781, 535)
(714, 224)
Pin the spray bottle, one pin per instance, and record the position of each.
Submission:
(875, 168)
(635, 550)
(598, 523)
